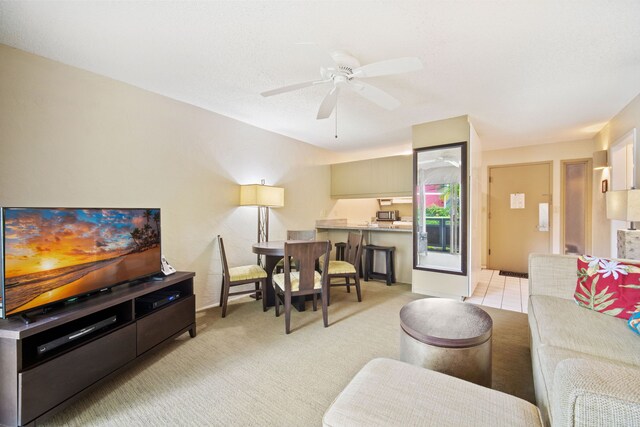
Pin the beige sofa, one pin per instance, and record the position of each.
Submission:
(586, 372)
(586, 365)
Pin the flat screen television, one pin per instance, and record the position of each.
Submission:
(51, 255)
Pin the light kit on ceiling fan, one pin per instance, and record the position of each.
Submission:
(345, 72)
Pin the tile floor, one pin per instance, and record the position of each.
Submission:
(508, 293)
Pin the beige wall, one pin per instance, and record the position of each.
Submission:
(447, 131)
(619, 126)
(354, 210)
(475, 210)
(363, 210)
(538, 153)
(73, 138)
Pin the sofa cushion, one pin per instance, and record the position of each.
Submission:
(388, 392)
(562, 324)
(608, 286)
(278, 280)
(595, 393)
(551, 358)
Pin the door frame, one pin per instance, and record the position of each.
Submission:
(489, 168)
(589, 203)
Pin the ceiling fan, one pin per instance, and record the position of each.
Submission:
(345, 72)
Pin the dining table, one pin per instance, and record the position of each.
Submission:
(273, 252)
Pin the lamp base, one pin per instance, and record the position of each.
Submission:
(629, 244)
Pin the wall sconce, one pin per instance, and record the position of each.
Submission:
(600, 159)
(264, 197)
(625, 206)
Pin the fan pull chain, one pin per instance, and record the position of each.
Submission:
(336, 120)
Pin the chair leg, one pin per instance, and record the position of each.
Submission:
(315, 302)
(263, 294)
(346, 281)
(225, 298)
(367, 265)
(221, 291)
(277, 302)
(258, 294)
(357, 279)
(287, 312)
(325, 303)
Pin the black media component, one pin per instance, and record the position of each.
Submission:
(75, 335)
(156, 300)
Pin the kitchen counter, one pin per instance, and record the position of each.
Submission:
(400, 236)
(391, 228)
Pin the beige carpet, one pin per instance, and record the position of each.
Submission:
(244, 370)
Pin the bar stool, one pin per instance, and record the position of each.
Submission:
(340, 247)
(389, 252)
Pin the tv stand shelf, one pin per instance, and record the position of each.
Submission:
(34, 385)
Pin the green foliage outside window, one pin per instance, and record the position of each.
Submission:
(437, 211)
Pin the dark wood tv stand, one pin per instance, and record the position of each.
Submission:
(35, 386)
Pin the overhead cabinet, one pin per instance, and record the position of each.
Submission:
(383, 177)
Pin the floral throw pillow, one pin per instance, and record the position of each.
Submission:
(608, 286)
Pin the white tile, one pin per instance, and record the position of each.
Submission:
(493, 294)
(512, 281)
(512, 295)
(493, 290)
(478, 294)
(491, 304)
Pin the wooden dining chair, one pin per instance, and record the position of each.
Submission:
(305, 281)
(242, 275)
(347, 269)
(295, 235)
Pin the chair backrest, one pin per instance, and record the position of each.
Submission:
(223, 259)
(353, 252)
(305, 255)
(301, 234)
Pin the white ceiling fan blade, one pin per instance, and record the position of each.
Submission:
(390, 66)
(328, 104)
(292, 87)
(375, 95)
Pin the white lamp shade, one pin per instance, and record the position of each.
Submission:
(623, 205)
(261, 195)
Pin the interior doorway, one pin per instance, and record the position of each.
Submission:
(575, 219)
(519, 210)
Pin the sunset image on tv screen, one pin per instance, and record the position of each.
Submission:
(55, 254)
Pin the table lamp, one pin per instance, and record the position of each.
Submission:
(624, 205)
(264, 197)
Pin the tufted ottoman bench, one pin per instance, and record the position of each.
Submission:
(387, 392)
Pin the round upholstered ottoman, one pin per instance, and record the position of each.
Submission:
(447, 336)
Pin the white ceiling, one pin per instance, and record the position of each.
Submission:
(527, 72)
